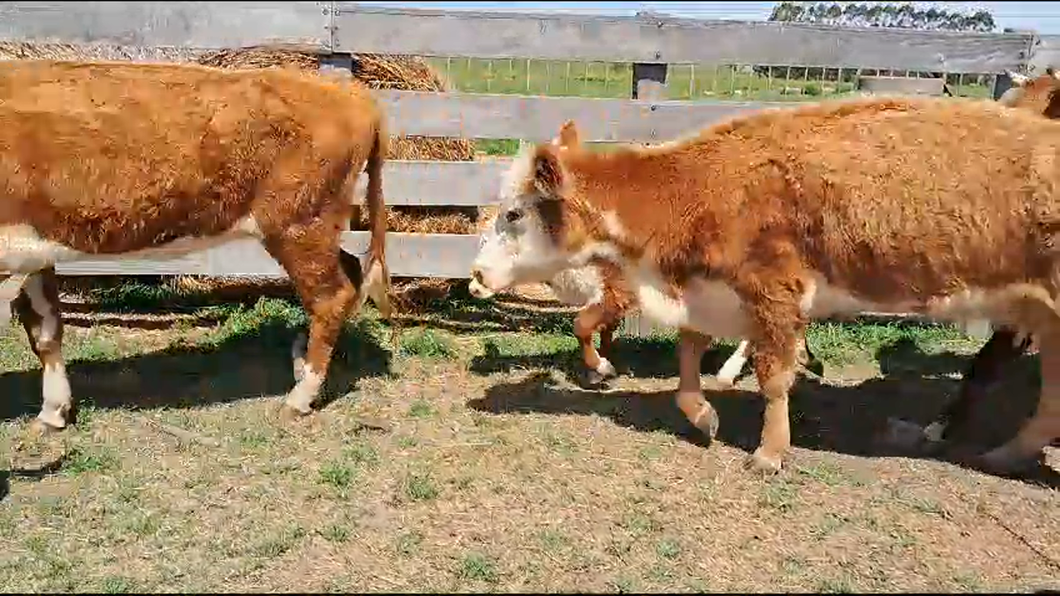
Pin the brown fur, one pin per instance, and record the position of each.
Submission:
(1037, 95)
(111, 158)
(619, 300)
(892, 200)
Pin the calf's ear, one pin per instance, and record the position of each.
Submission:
(568, 136)
(548, 172)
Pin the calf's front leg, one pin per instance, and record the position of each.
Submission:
(779, 323)
(37, 307)
(598, 369)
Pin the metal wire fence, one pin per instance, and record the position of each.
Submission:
(684, 81)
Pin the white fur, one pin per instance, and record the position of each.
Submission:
(731, 369)
(23, 250)
(305, 390)
(55, 384)
(583, 286)
(713, 308)
(57, 395)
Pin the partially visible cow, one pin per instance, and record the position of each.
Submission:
(1034, 94)
(115, 160)
(759, 224)
(1037, 95)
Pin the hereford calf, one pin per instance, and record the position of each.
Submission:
(759, 224)
(604, 297)
(115, 160)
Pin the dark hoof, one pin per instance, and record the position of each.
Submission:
(816, 367)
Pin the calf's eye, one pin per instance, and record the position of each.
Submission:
(513, 215)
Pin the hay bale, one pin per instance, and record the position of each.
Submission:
(24, 50)
(404, 73)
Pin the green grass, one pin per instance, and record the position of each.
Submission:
(615, 80)
(694, 82)
(593, 491)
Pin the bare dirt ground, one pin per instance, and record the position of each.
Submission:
(464, 458)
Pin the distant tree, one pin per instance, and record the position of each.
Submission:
(890, 14)
(901, 15)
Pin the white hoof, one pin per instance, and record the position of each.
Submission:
(606, 369)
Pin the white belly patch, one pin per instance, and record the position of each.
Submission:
(710, 307)
(23, 250)
(713, 308)
(578, 287)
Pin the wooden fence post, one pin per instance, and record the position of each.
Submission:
(649, 84)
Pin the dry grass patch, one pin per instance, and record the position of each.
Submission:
(493, 472)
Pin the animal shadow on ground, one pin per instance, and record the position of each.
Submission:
(642, 358)
(247, 364)
(458, 311)
(847, 419)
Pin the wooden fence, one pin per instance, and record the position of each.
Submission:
(649, 42)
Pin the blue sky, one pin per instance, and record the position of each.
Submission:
(1043, 17)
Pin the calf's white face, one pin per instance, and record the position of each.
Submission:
(522, 244)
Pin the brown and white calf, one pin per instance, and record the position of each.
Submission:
(759, 224)
(115, 160)
(604, 297)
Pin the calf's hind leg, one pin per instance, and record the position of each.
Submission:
(1044, 426)
(1003, 348)
(37, 307)
(690, 400)
(328, 282)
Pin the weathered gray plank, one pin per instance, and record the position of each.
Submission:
(480, 116)
(1045, 54)
(901, 85)
(408, 255)
(438, 183)
(196, 24)
(666, 39)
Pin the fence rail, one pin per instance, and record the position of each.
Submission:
(651, 43)
(351, 28)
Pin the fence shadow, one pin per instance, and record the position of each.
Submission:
(840, 419)
(244, 366)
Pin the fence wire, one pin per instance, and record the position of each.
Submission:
(693, 82)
